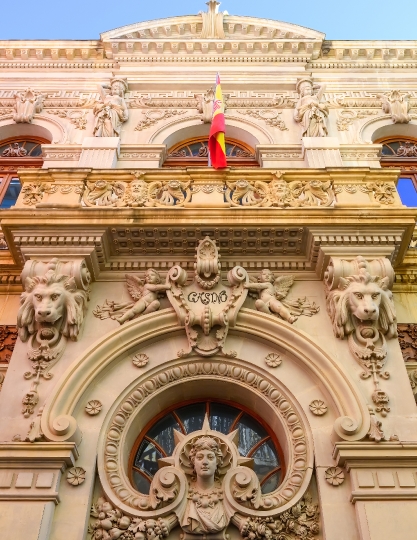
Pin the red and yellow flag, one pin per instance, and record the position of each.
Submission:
(216, 143)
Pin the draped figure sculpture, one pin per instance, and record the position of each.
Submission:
(111, 111)
(309, 111)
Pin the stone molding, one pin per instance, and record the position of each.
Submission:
(33, 472)
(387, 471)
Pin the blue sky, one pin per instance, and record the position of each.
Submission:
(85, 19)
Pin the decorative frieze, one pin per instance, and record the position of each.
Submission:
(8, 336)
(407, 337)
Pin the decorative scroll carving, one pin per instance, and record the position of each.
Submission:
(136, 194)
(33, 193)
(152, 117)
(279, 193)
(310, 112)
(299, 522)
(8, 336)
(361, 308)
(14, 150)
(207, 315)
(407, 336)
(213, 21)
(52, 309)
(397, 105)
(412, 375)
(272, 292)
(407, 149)
(381, 192)
(26, 104)
(346, 117)
(269, 116)
(77, 118)
(111, 111)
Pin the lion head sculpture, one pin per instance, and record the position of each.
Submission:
(53, 299)
(362, 298)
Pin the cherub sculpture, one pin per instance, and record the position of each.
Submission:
(145, 294)
(271, 293)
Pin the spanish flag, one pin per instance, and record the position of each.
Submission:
(216, 143)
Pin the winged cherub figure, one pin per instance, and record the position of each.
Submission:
(272, 290)
(145, 294)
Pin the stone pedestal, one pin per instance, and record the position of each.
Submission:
(320, 152)
(100, 152)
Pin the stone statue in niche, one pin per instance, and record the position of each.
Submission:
(145, 293)
(310, 112)
(272, 292)
(397, 105)
(27, 103)
(111, 111)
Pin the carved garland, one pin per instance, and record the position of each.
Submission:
(299, 468)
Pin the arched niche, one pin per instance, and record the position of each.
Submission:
(183, 129)
(383, 128)
(42, 127)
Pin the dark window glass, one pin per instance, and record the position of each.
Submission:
(407, 191)
(254, 441)
(12, 193)
(163, 433)
(192, 416)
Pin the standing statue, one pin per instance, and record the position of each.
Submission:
(309, 112)
(111, 111)
(27, 103)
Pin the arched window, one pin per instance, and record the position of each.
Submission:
(256, 440)
(14, 154)
(194, 153)
(401, 153)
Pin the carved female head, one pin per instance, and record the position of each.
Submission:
(206, 456)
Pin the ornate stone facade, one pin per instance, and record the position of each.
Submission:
(208, 353)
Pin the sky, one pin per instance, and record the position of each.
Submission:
(86, 19)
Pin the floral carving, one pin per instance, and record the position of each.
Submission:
(273, 360)
(154, 116)
(14, 151)
(93, 407)
(269, 116)
(272, 291)
(412, 375)
(1, 380)
(140, 360)
(52, 310)
(77, 118)
(279, 193)
(407, 149)
(334, 476)
(8, 336)
(318, 407)
(76, 476)
(407, 336)
(381, 192)
(300, 521)
(375, 432)
(110, 523)
(33, 193)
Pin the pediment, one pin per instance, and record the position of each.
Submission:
(190, 28)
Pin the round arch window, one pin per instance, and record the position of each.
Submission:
(256, 440)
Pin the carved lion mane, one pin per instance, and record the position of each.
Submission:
(346, 304)
(72, 305)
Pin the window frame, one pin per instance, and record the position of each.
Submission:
(243, 410)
